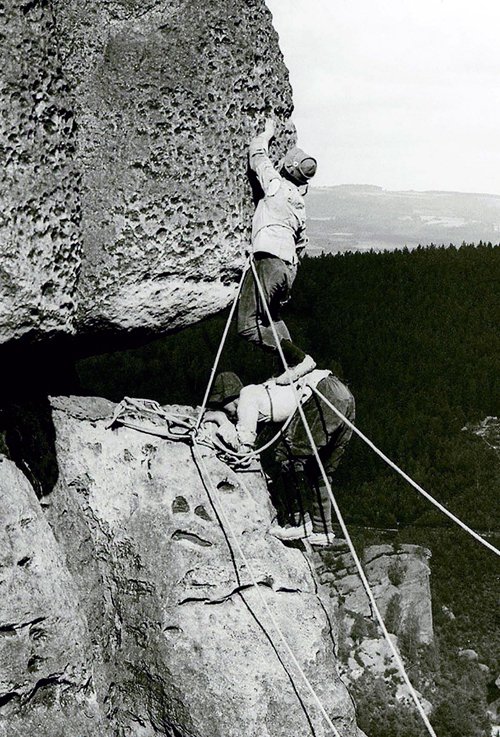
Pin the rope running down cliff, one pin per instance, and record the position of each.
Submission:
(204, 473)
(343, 526)
(257, 451)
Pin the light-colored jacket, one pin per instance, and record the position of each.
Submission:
(280, 219)
(270, 402)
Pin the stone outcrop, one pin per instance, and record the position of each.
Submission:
(45, 653)
(488, 430)
(399, 578)
(129, 610)
(126, 204)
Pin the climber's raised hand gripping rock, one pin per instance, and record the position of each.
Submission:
(278, 239)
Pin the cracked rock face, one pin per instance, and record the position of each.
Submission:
(125, 199)
(181, 641)
(45, 658)
(399, 579)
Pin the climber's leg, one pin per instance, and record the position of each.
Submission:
(298, 524)
(276, 278)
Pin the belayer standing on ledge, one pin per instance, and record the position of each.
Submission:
(239, 412)
(278, 239)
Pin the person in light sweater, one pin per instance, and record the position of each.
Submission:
(238, 411)
(278, 239)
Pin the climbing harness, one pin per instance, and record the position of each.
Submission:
(148, 416)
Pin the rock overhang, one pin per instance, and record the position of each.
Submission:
(126, 200)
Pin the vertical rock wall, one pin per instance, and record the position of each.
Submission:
(125, 202)
(40, 240)
(46, 686)
(179, 642)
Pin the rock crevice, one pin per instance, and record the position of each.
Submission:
(156, 634)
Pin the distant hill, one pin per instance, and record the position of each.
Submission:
(360, 217)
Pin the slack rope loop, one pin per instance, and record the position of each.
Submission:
(343, 526)
(213, 491)
(260, 449)
(413, 483)
(141, 414)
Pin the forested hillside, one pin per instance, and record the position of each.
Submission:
(415, 334)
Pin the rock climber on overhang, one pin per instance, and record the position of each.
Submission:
(278, 240)
(237, 410)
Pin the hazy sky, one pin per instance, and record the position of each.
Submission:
(400, 93)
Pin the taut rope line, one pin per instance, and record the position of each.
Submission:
(221, 345)
(202, 465)
(416, 486)
(361, 572)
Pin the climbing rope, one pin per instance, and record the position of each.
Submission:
(143, 415)
(221, 345)
(343, 526)
(413, 483)
(213, 491)
(131, 413)
(182, 427)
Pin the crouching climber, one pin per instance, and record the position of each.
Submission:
(278, 239)
(239, 412)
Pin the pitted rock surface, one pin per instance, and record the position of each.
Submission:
(40, 240)
(46, 685)
(181, 643)
(126, 202)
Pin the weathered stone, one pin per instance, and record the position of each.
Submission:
(46, 684)
(402, 573)
(399, 579)
(468, 654)
(125, 199)
(40, 242)
(157, 594)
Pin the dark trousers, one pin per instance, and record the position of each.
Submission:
(276, 278)
(302, 478)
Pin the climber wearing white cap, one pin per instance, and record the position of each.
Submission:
(278, 239)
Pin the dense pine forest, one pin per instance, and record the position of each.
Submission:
(415, 335)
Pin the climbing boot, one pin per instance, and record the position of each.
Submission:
(320, 539)
(292, 532)
(296, 372)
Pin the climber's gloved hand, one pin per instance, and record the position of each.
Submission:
(269, 128)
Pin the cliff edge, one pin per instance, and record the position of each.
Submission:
(127, 610)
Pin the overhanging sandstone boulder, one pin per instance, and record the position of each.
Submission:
(125, 200)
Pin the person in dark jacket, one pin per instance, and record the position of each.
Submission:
(240, 410)
(278, 239)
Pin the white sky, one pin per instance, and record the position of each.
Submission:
(400, 93)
